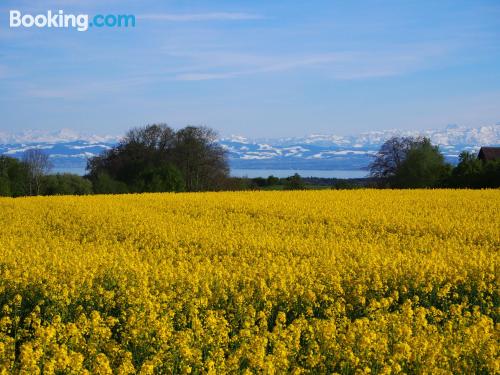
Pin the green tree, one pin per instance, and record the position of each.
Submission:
(14, 177)
(166, 177)
(260, 182)
(409, 162)
(157, 158)
(5, 186)
(471, 172)
(65, 184)
(104, 184)
(271, 180)
(295, 182)
(423, 167)
(491, 174)
(201, 160)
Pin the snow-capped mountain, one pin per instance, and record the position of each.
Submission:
(69, 150)
(325, 151)
(60, 136)
(452, 135)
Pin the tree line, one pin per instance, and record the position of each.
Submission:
(29, 176)
(157, 158)
(154, 158)
(413, 162)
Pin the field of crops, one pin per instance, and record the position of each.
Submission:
(251, 282)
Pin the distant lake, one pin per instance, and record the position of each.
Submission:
(252, 173)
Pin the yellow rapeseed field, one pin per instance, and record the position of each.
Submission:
(309, 282)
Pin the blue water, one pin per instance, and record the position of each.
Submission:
(252, 173)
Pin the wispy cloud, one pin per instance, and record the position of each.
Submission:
(348, 65)
(192, 17)
(209, 66)
(261, 64)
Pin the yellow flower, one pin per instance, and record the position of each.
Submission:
(361, 281)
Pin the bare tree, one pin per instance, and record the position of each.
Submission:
(38, 164)
(391, 155)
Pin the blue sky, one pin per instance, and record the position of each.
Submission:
(255, 68)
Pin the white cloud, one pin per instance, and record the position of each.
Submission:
(219, 65)
(259, 64)
(348, 65)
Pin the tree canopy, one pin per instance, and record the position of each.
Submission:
(65, 184)
(409, 162)
(14, 177)
(391, 155)
(157, 158)
(472, 172)
(423, 167)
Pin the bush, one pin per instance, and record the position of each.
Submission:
(164, 178)
(474, 173)
(65, 184)
(104, 184)
(14, 177)
(345, 185)
(295, 182)
(5, 187)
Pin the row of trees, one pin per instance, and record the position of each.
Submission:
(154, 158)
(29, 176)
(474, 173)
(413, 162)
(294, 182)
(157, 158)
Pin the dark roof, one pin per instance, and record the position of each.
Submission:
(489, 153)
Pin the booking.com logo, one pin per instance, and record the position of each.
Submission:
(80, 22)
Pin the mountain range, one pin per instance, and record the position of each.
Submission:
(69, 149)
